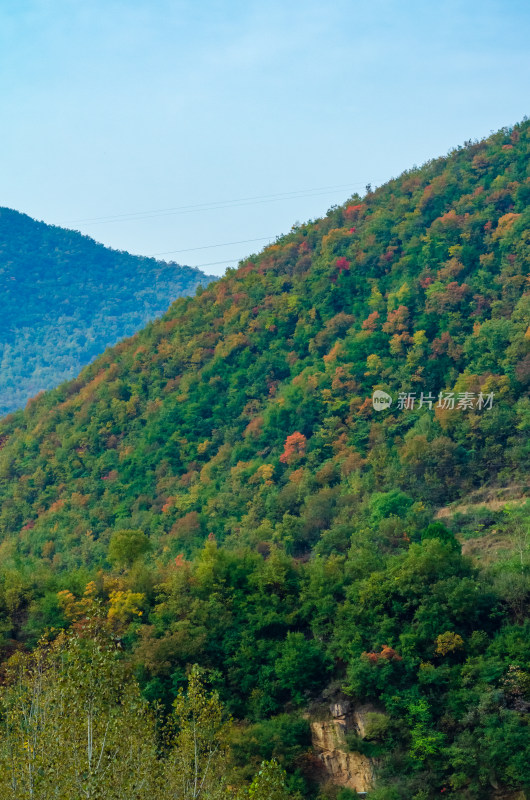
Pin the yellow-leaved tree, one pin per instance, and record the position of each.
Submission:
(196, 767)
(74, 725)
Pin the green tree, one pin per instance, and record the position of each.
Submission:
(127, 546)
(301, 667)
(196, 767)
(269, 783)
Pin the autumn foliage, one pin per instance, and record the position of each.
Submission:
(294, 448)
(229, 491)
(387, 654)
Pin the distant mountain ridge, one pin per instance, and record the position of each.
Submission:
(66, 298)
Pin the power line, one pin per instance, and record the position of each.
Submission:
(214, 263)
(209, 246)
(212, 206)
(277, 195)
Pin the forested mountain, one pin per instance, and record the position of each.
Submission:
(224, 486)
(65, 298)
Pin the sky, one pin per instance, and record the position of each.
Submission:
(198, 131)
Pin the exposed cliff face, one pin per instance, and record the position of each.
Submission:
(344, 768)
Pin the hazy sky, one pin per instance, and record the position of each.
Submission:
(143, 107)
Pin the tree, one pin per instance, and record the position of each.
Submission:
(294, 448)
(269, 783)
(196, 766)
(126, 546)
(301, 667)
(74, 725)
(448, 642)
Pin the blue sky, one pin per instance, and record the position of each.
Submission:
(133, 112)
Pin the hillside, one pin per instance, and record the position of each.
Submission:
(65, 298)
(224, 483)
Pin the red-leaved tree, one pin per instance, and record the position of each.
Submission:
(294, 448)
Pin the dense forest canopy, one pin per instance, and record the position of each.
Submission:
(224, 486)
(65, 298)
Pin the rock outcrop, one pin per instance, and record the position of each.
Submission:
(343, 767)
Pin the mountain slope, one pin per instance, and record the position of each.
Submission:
(420, 287)
(223, 487)
(65, 298)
